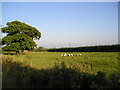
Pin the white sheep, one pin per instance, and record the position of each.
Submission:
(65, 54)
(78, 54)
(68, 54)
(71, 54)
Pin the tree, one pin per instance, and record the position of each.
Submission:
(19, 36)
(40, 49)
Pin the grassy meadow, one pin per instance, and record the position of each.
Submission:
(51, 70)
(88, 61)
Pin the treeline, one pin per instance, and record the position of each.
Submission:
(101, 48)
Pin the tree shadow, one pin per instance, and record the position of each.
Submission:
(18, 75)
(9, 53)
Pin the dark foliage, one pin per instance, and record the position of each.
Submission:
(19, 36)
(104, 48)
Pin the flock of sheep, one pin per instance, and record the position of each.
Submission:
(64, 55)
(67, 54)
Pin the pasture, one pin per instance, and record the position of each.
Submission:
(90, 62)
(53, 70)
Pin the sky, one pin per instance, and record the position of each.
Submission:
(64, 24)
(60, 0)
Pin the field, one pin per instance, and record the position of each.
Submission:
(51, 70)
(97, 61)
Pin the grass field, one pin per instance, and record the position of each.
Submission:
(88, 61)
(51, 70)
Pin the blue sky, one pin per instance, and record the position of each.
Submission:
(80, 23)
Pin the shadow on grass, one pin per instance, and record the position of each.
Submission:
(18, 75)
(8, 53)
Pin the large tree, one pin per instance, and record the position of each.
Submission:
(19, 36)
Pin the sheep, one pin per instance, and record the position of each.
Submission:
(78, 54)
(65, 54)
(71, 54)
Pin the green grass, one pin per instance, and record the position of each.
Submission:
(38, 70)
(100, 61)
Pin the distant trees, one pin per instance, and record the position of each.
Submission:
(40, 49)
(19, 36)
(104, 48)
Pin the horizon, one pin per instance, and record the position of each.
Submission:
(81, 46)
(67, 24)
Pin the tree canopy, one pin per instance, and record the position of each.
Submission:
(40, 49)
(19, 36)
